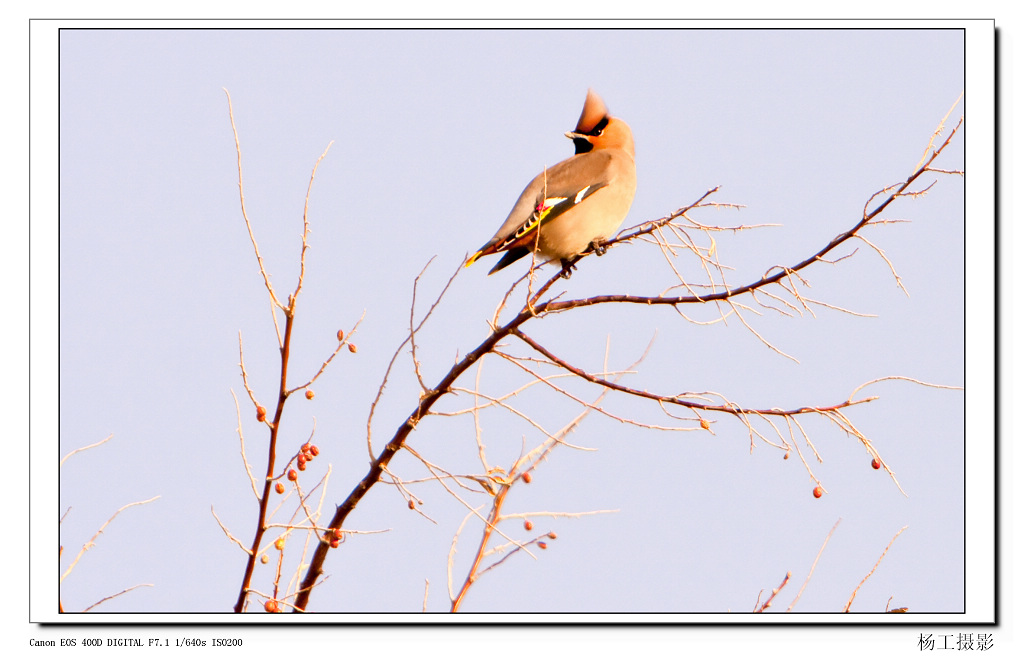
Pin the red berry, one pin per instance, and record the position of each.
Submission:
(412, 504)
(552, 535)
(279, 488)
(304, 448)
(309, 394)
(271, 606)
(261, 413)
(341, 335)
(542, 545)
(314, 450)
(352, 347)
(335, 543)
(875, 463)
(527, 478)
(704, 424)
(292, 475)
(301, 464)
(528, 524)
(818, 491)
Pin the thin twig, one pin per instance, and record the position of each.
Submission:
(768, 602)
(305, 222)
(83, 449)
(241, 441)
(878, 562)
(245, 214)
(125, 591)
(92, 541)
(815, 564)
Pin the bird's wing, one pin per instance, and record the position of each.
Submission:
(551, 193)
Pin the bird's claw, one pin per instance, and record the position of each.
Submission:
(568, 266)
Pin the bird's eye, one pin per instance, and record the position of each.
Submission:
(599, 129)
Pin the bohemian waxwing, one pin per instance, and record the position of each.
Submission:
(572, 207)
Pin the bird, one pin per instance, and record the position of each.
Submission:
(572, 207)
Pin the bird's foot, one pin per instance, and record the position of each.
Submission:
(568, 266)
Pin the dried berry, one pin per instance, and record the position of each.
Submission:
(261, 413)
(272, 606)
(310, 394)
(341, 335)
(352, 348)
(704, 424)
(875, 463)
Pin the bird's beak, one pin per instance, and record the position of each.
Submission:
(572, 135)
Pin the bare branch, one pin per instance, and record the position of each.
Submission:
(245, 214)
(113, 596)
(83, 449)
(92, 541)
(878, 562)
(813, 565)
(343, 340)
(305, 223)
(227, 532)
(903, 378)
(768, 602)
(241, 440)
(734, 410)
(391, 363)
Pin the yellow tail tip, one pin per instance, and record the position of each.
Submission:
(476, 255)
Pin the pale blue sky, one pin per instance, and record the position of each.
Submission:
(436, 132)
